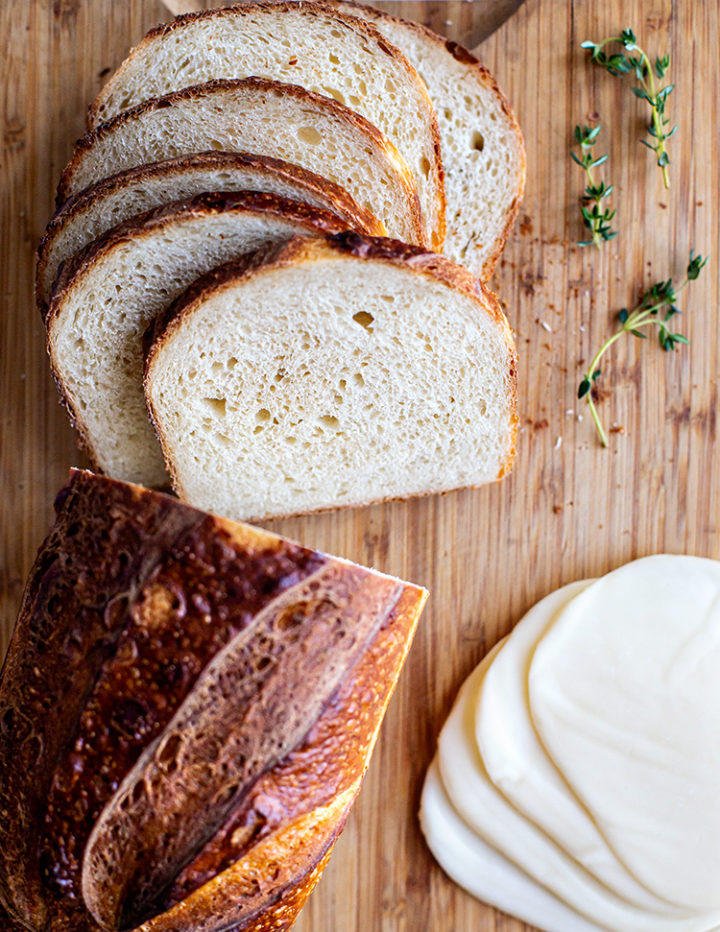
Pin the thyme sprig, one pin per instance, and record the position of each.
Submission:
(646, 89)
(655, 309)
(596, 219)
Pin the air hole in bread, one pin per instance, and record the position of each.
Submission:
(478, 141)
(334, 93)
(332, 57)
(217, 406)
(425, 167)
(292, 618)
(327, 420)
(365, 320)
(262, 415)
(309, 135)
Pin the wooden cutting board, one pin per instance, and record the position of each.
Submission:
(569, 510)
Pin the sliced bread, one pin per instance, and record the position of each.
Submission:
(340, 371)
(308, 44)
(266, 117)
(482, 146)
(106, 297)
(111, 201)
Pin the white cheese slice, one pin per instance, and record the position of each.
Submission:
(625, 694)
(485, 810)
(485, 873)
(517, 764)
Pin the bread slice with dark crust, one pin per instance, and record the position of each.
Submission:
(269, 118)
(108, 294)
(481, 142)
(310, 44)
(111, 201)
(342, 371)
(147, 604)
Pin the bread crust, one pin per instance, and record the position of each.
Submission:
(312, 8)
(338, 200)
(259, 86)
(298, 250)
(314, 219)
(480, 73)
(261, 884)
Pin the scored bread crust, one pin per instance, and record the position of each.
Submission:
(83, 265)
(263, 172)
(339, 747)
(377, 148)
(261, 885)
(466, 68)
(299, 250)
(317, 18)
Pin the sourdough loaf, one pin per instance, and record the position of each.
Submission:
(341, 371)
(113, 200)
(265, 117)
(157, 663)
(482, 147)
(105, 299)
(308, 44)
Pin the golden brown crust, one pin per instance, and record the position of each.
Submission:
(477, 71)
(339, 201)
(262, 885)
(263, 88)
(339, 747)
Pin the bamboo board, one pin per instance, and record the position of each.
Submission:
(569, 510)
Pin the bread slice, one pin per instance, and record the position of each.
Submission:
(266, 117)
(341, 371)
(105, 299)
(139, 612)
(109, 202)
(482, 147)
(309, 44)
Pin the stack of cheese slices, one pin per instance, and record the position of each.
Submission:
(577, 779)
(243, 129)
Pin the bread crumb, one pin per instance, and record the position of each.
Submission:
(558, 443)
(543, 324)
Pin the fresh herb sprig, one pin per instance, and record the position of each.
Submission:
(595, 218)
(646, 89)
(656, 307)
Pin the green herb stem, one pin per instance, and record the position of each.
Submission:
(660, 297)
(596, 219)
(645, 73)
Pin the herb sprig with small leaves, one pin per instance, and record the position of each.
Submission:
(646, 89)
(655, 309)
(597, 220)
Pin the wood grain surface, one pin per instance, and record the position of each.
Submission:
(569, 510)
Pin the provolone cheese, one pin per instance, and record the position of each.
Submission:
(484, 873)
(483, 808)
(517, 764)
(625, 694)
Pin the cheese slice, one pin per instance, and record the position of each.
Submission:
(484, 809)
(517, 764)
(625, 694)
(482, 871)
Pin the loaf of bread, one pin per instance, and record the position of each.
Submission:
(109, 294)
(113, 200)
(340, 371)
(187, 710)
(482, 147)
(268, 118)
(308, 44)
